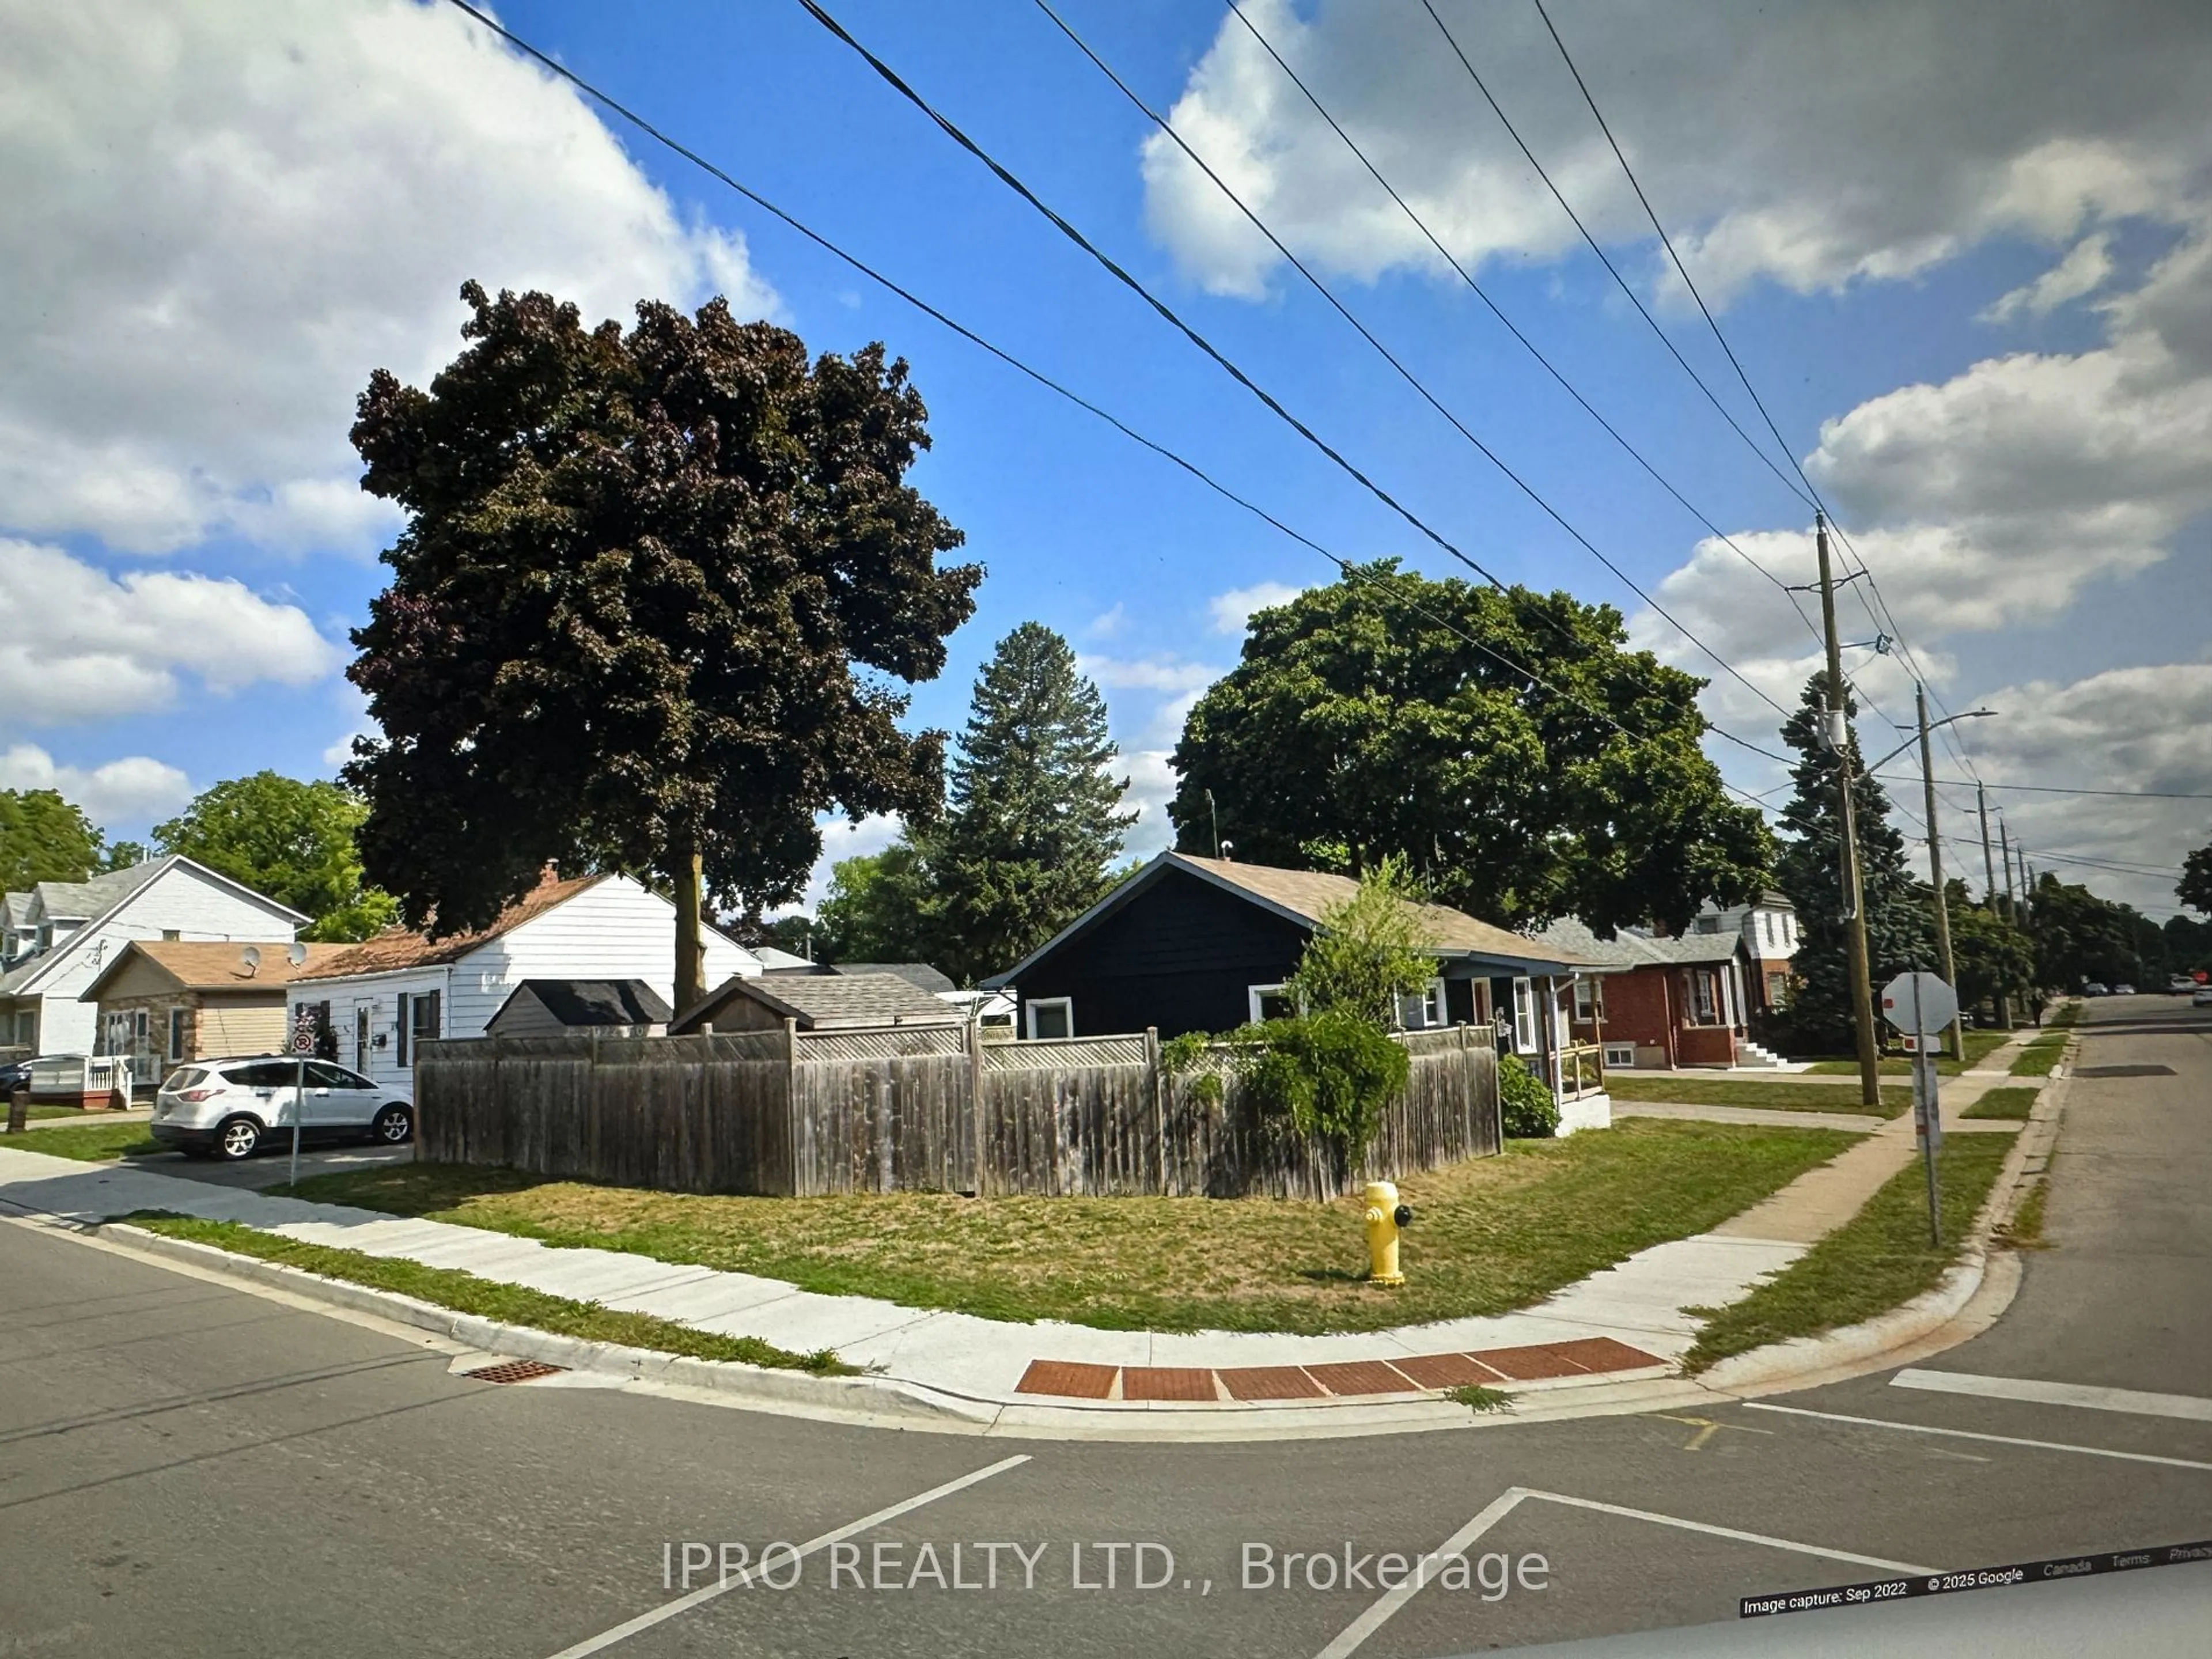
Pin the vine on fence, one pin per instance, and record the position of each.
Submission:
(1326, 1077)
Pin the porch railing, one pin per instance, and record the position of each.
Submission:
(1578, 1070)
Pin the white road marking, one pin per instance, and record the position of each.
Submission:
(1969, 1434)
(668, 1610)
(1386, 1605)
(2136, 1401)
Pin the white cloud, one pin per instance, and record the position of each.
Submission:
(843, 838)
(134, 790)
(1171, 674)
(1863, 142)
(1232, 611)
(1107, 624)
(1152, 784)
(221, 217)
(2083, 271)
(82, 645)
(2143, 728)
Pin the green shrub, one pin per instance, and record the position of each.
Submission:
(1325, 1077)
(1525, 1107)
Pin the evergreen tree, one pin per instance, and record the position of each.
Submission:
(1899, 930)
(1032, 830)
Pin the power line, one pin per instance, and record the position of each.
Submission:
(1345, 312)
(1476, 287)
(2058, 789)
(1634, 299)
(1345, 566)
(1887, 619)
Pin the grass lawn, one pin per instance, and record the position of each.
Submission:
(92, 1143)
(2040, 1056)
(1781, 1094)
(1980, 1045)
(2003, 1103)
(1490, 1234)
(1875, 1261)
(488, 1298)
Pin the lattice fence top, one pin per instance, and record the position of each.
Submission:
(1064, 1052)
(881, 1043)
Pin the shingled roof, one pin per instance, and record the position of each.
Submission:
(396, 947)
(821, 1001)
(218, 965)
(1305, 897)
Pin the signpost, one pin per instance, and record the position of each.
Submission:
(1922, 1006)
(303, 1044)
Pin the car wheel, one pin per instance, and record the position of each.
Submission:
(237, 1138)
(394, 1127)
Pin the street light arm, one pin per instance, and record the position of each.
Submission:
(1971, 715)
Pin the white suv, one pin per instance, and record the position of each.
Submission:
(230, 1108)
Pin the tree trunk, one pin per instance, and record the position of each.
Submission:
(691, 948)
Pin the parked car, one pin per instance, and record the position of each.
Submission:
(2202, 999)
(2181, 985)
(2123, 990)
(16, 1074)
(2094, 989)
(230, 1108)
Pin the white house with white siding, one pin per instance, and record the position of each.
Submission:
(57, 937)
(381, 998)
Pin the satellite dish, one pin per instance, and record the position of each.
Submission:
(250, 956)
(296, 954)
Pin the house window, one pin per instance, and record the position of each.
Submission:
(1707, 925)
(1589, 1001)
(1051, 1017)
(173, 934)
(1269, 1002)
(180, 1024)
(1778, 990)
(1525, 1017)
(1424, 1011)
(1620, 1055)
(1702, 1011)
(418, 1020)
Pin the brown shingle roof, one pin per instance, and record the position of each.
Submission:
(397, 948)
(219, 965)
(1311, 894)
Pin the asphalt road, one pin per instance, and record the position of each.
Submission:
(191, 1470)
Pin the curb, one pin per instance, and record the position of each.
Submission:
(1969, 1299)
(877, 1399)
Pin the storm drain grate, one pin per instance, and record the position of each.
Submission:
(514, 1370)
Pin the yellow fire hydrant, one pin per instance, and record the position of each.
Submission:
(1385, 1217)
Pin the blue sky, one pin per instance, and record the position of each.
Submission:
(239, 214)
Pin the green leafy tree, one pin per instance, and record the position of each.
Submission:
(1033, 828)
(1368, 951)
(1380, 714)
(2194, 887)
(289, 840)
(2079, 937)
(43, 837)
(874, 909)
(653, 590)
(1901, 927)
(1992, 955)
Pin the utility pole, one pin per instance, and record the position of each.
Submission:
(1839, 740)
(1989, 887)
(1935, 870)
(2004, 852)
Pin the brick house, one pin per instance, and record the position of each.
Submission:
(162, 1002)
(1661, 1003)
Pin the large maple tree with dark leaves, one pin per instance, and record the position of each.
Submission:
(656, 597)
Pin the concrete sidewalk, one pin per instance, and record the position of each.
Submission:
(1623, 1323)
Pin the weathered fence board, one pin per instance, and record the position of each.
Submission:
(916, 1110)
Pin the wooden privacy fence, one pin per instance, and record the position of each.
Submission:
(912, 1109)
